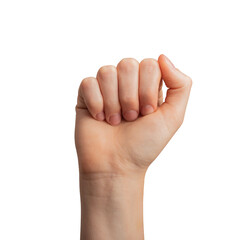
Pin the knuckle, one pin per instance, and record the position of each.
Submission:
(87, 83)
(150, 65)
(106, 72)
(126, 64)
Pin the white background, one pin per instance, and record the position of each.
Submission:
(47, 47)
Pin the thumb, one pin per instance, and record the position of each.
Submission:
(179, 86)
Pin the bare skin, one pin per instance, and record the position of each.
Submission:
(122, 125)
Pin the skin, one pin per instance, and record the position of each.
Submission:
(122, 125)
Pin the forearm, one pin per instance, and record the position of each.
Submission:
(112, 206)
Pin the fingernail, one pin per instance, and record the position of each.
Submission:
(100, 116)
(115, 119)
(169, 62)
(130, 115)
(147, 109)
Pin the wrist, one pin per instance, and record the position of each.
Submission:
(112, 205)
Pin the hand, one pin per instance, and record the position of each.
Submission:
(122, 123)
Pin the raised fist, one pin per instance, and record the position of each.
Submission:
(122, 123)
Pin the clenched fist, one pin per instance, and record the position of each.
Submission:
(122, 122)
